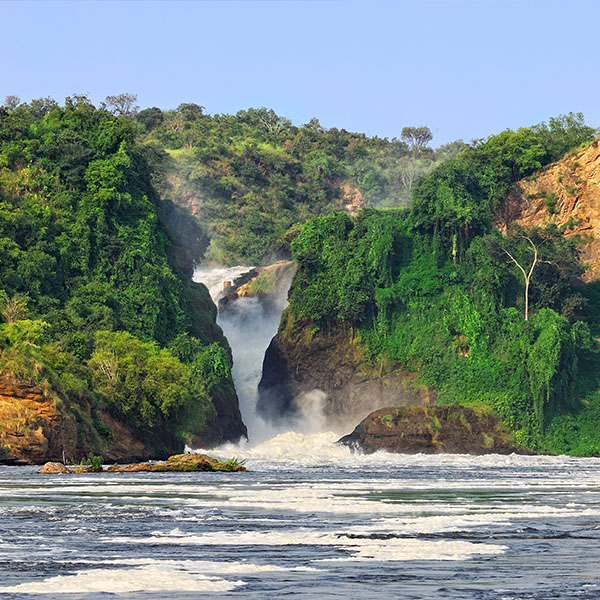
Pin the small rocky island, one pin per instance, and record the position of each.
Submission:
(176, 463)
(433, 430)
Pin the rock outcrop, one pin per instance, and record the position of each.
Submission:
(266, 283)
(566, 193)
(433, 430)
(176, 463)
(182, 463)
(298, 362)
(34, 429)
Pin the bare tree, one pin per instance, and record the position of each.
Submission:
(11, 102)
(408, 174)
(108, 364)
(527, 274)
(122, 104)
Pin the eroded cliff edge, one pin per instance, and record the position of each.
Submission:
(33, 429)
(566, 194)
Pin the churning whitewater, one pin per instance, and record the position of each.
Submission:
(310, 520)
(249, 325)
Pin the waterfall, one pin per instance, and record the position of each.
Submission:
(249, 324)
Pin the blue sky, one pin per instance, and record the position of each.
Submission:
(465, 68)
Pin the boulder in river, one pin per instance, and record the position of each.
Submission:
(183, 462)
(449, 429)
(176, 463)
(55, 467)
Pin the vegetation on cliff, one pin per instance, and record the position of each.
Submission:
(434, 289)
(95, 307)
(252, 177)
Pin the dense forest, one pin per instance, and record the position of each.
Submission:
(483, 318)
(96, 308)
(253, 177)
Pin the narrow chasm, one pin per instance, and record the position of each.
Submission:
(250, 301)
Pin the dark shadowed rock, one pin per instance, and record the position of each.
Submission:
(433, 430)
(300, 360)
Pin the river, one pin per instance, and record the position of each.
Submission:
(308, 520)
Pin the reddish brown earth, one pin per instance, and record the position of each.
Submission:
(34, 430)
(566, 193)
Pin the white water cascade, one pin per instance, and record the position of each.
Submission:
(249, 327)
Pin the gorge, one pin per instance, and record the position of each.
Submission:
(108, 347)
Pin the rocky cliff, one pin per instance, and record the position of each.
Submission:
(35, 429)
(566, 193)
(300, 361)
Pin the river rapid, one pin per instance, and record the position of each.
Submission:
(308, 519)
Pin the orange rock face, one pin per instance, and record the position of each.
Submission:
(32, 429)
(566, 193)
(352, 199)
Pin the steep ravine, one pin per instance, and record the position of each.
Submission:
(250, 302)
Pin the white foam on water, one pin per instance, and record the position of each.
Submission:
(203, 566)
(361, 548)
(415, 549)
(293, 447)
(290, 446)
(123, 581)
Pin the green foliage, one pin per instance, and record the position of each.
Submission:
(90, 274)
(145, 384)
(257, 175)
(263, 284)
(92, 463)
(434, 290)
(341, 263)
(457, 200)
